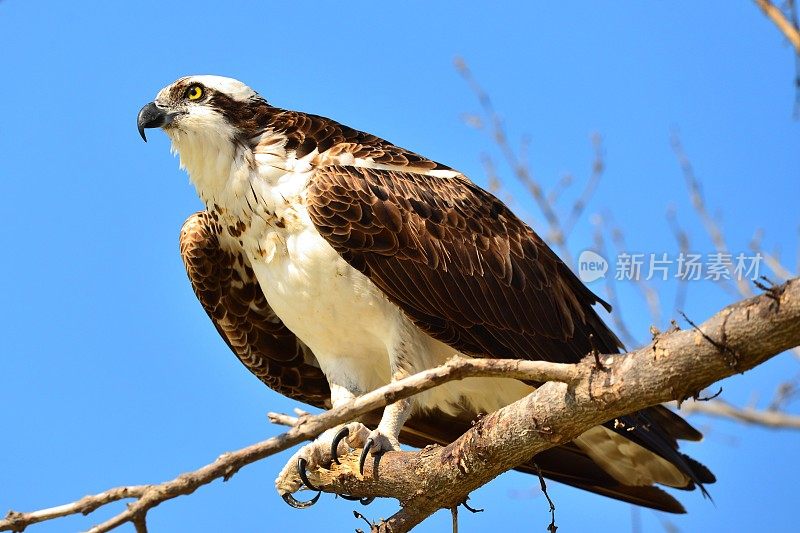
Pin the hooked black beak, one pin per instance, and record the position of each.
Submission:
(152, 116)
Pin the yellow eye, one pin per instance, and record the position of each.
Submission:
(194, 92)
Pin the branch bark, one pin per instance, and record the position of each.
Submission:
(675, 366)
(306, 428)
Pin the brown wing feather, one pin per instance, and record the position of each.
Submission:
(226, 287)
(471, 274)
(458, 262)
(306, 132)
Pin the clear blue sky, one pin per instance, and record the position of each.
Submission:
(112, 374)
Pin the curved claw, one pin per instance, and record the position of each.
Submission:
(364, 452)
(288, 498)
(366, 500)
(342, 433)
(470, 509)
(301, 470)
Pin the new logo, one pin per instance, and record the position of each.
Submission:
(591, 266)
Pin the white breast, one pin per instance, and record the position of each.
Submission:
(329, 305)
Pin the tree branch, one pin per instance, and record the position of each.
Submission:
(675, 366)
(18, 521)
(711, 225)
(521, 171)
(574, 398)
(789, 30)
(307, 427)
(760, 417)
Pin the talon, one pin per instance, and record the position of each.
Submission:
(364, 452)
(301, 470)
(470, 509)
(342, 433)
(366, 500)
(288, 498)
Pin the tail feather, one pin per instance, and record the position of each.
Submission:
(568, 464)
(628, 462)
(658, 433)
(656, 430)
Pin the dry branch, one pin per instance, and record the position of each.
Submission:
(711, 225)
(760, 417)
(574, 398)
(521, 171)
(675, 366)
(227, 464)
(611, 291)
(682, 238)
(17, 521)
(787, 28)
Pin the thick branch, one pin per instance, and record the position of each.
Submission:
(675, 366)
(574, 398)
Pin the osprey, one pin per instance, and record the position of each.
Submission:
(333, 262)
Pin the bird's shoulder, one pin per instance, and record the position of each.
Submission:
(327, 142)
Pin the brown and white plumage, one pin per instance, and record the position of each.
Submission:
(331, 261)
(228, 291)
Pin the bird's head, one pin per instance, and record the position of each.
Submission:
(202, 106)
(208, 119)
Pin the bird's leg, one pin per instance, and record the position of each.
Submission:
(318, 453)
(385, 437)
(376, 442)
(336, 441)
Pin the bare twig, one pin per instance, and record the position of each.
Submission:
(771, 260)
(282, 419)
(495, 184)
(561, 185)
(598, 166)
(711, 226)
(611, 291)
(551, 527)
(774, 264)
(517, 160)
(18, 521)
(649, 294)
(722, 409)
(787, 28)
(521, 171)
(784, 394)
(149, 496)
(683, 246)
(795, 20)
(571, 401)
